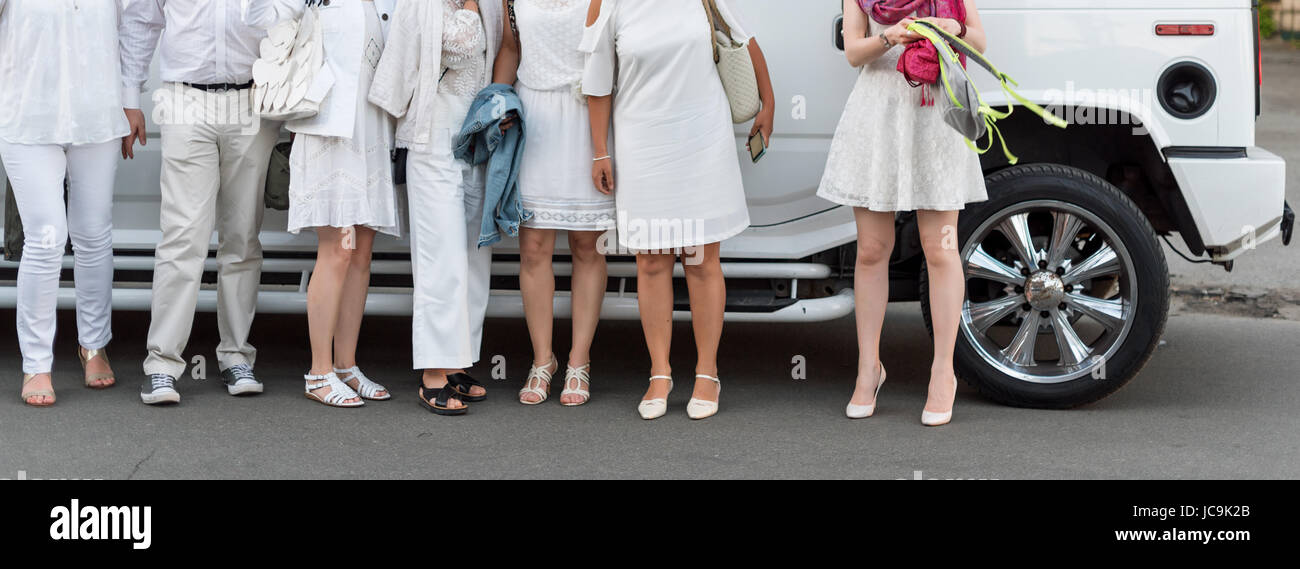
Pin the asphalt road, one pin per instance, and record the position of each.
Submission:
(1217, 401)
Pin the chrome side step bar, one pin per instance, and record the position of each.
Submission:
(503, 304)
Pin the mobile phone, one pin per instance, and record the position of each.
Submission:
(756, 147)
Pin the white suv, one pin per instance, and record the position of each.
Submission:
(1068, 286)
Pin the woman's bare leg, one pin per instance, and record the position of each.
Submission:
(590, 279)
(654, 286)
(871, 294)
(947, 292)
(324, 294)
(537, 283)
(708, 291)
(352, 307)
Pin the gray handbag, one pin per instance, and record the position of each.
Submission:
(961, 106)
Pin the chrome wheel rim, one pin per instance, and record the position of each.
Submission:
(1051, 292)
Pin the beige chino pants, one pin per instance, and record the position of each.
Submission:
(214, 161)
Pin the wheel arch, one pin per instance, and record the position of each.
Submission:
(1113, 145)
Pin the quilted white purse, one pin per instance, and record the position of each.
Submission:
(735, 68)
(290, 80)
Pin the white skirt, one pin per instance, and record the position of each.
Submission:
(347, 182)
(555, 176)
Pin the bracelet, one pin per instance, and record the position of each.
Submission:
(963, 29)
(885, 38)
(605, 157)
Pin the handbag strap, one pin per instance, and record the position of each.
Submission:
(716, 23)
(514, 26)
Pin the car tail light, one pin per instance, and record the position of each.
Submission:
(1185, 29)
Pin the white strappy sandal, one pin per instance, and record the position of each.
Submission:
(366, 388)
(533, 385)
(339, 393)
(655, 408)
(700, 409)
(582, 375)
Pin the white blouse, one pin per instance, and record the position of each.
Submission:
(550, 31)
(60, 75)
(464, 49)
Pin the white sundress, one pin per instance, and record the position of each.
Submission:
(555, 176)
(346, 182)
(891, 154)
(676, 160)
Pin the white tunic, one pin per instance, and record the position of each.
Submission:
(555, 176)
(676, 167)
(348, 181)
(60, 78)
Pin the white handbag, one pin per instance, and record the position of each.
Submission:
(735, 68)
(290, 80)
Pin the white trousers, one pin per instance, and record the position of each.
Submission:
(452, 274)
(37, 173)
(214, 160)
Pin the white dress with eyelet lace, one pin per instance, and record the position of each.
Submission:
(348, 182)
(555, 176)
(891, 154)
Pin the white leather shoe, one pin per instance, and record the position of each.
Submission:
(864, 411)
(930, 419)
(700, 409)
(655, 408)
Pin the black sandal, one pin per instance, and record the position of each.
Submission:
(438, 405)
(462, 383)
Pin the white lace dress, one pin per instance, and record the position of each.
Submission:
(555, 177)
(346, 182)
(891, 154)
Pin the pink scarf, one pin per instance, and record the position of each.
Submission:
(920, 61)
(890, 12)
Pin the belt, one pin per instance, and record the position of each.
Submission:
(220, 86)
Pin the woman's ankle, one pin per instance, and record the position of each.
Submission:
(578, 360)
(433, 378)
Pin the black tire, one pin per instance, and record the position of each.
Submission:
(1150, 307)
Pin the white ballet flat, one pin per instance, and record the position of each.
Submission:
(700, 409)
(655, 408)
(864, 411)
(938, 419)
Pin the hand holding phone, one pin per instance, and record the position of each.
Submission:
(756, 147)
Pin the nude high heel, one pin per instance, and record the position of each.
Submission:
(655, 408)
(864, 411)
(930, 419)
(700, 409)
(27, 396)
(108, 378)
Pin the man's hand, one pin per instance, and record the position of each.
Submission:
(134, 117)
